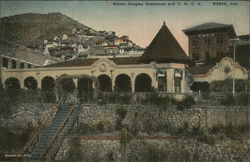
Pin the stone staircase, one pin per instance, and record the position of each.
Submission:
(50, 139)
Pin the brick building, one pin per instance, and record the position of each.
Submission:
(209, 42)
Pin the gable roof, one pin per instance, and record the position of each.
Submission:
(164, 48)
(22, 53)
(211, 26)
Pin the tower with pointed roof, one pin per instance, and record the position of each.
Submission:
(164, 48)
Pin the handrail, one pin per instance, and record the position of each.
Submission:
(57, 133)
(60, 143)
(40, 128)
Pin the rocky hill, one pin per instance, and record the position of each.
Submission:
(32, 28)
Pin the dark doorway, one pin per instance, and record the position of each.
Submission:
(48, 83)
(85, 89)
(105, 83)
(30, 83)
(123, 83)
(202, 86)
(12, 83)
(68, 85)
(143, 83)
(85, 85)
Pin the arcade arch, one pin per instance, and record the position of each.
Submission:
(30, 83)
(68, 85)
(105, 83)
(143, 83)
(123, 83)
(48, 83)
(12, 83)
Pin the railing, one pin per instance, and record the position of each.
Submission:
(29, 145)
(54, 138)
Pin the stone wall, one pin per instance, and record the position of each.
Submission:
(204, 117)
(26, 114)
(162, 150)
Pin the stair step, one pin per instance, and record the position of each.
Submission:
(51, 130)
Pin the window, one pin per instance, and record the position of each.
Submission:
(13, 64)
(162, 83)
(22, 65)
(195, 42)
(5, 62)
(29, 65)
(177, 84)
(207, 41)
(219, 40)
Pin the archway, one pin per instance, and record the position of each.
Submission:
(202, 86)
(105, 83)
(85, 85)
(30, 83)
(85, 88)
(143, 83)
(48, 83)
(64, 80)
(12, 83)
(123, 83)
(68, 85)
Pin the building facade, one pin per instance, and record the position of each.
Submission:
(209, 42)
(161, 68)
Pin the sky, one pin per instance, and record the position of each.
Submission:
(142, 22)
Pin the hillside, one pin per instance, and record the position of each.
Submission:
(32, 28)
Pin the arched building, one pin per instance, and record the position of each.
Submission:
(161, 68)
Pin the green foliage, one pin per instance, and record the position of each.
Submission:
(13, 140)
(228, 100)
(75, 152)
(242, 99)
(207, 138)
(100, 126)
(185, 103)
(227, 85)
(118, 124)
(122, 112)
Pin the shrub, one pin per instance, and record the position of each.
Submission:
(118, 124)
(100, 126)
(185, 103)
(243, 99)
(226, 85)
(207, 138)
(228, 100)
(75, 152)
(122, 112)
(125, 99)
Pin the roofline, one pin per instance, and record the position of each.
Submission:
(228, 26)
